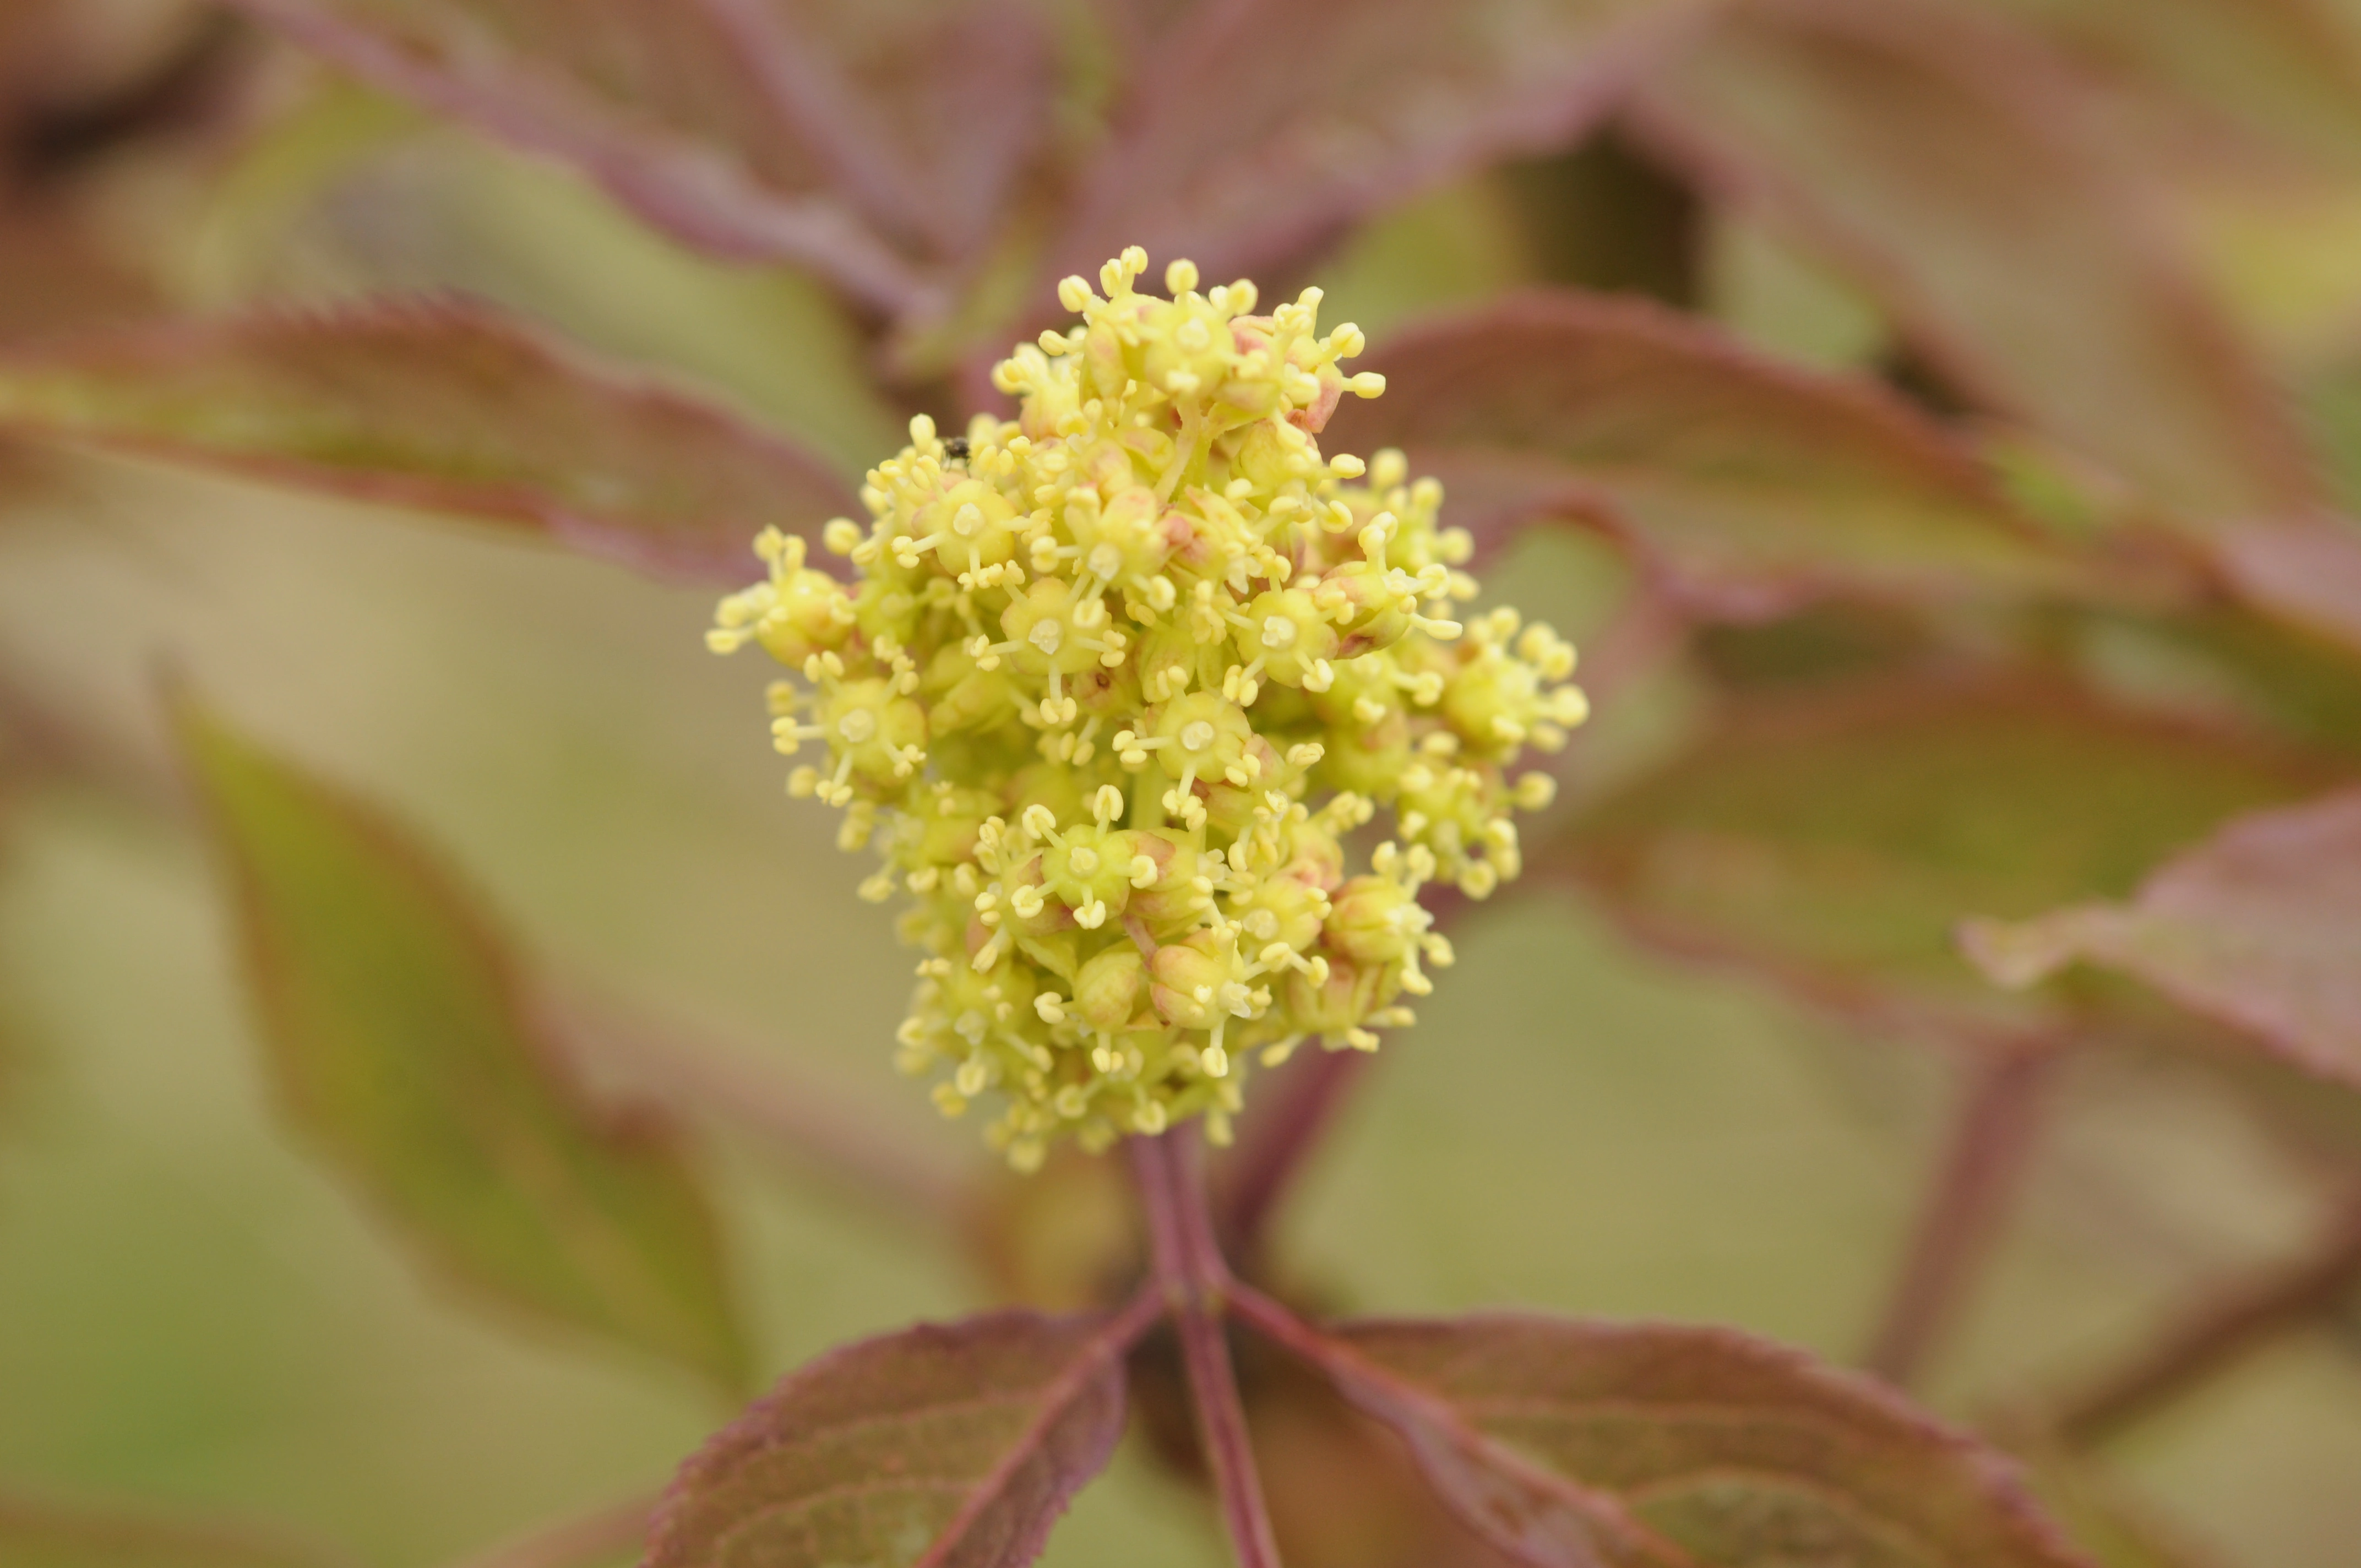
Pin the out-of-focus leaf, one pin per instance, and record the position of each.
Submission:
(405, 1052)
(1748, 483)
(42, 1535)
(1784, 302)
(1462, 245)
(2287, 71)
(927, 107)
(1258, 127)
(2332, 400)
(353, 194)
(55, 280)
(2282, 248)
(661, 101)
(1584, 1445)
(438, 405)
(59, 54)
(2259, 928)
(1835, 843)
(2308, 572)
(2303, 686)
(1958, 175)
(2224, 663)
(1828, 645)
(951, 1446)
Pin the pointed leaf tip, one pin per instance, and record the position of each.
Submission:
(1834, 842)
(401, 1046)
(2259, 928)
(955, 1445)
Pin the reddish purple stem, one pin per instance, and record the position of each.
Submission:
(1963, 1207)
(2213, 1333)
(1196, 1283)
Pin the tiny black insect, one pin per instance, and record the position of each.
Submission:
(956, 448)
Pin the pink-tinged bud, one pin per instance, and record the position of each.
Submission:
(1188, 981)
(1318, 861)
(1177, 889)
(1230, 807)
(1314, 419)
(1030, 907)
(1375, 921)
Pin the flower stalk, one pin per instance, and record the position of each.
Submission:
(1189, 1268)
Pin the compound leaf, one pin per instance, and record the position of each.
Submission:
(942, 1446)
(669, 104)
(1959, 175)
(402, 1049)
(441, 405)
(1746, 482)
(2286, 73)
(1260, 127)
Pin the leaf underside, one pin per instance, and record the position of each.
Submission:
(441, 405)
(1747, 484)
(1835, 843)
(2259, 928)
(860, 140)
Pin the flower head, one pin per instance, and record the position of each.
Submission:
(1118, 690)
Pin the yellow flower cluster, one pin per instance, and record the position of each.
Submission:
(1116, 689)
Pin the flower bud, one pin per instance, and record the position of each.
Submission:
(1376, 921)
(1110, 988)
